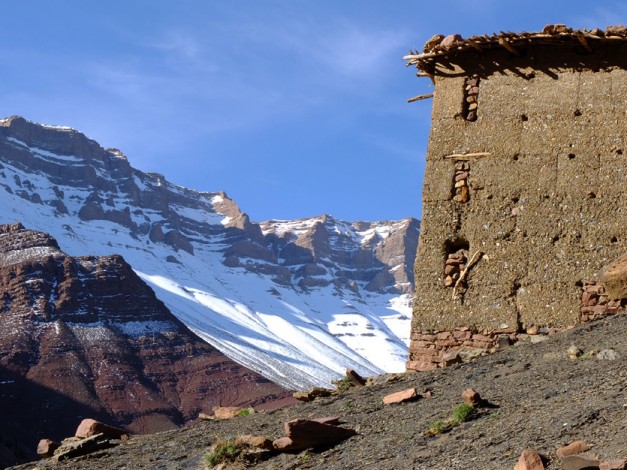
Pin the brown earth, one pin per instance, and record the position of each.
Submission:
(539, 398)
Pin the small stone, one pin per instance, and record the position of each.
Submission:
(503, 341)
(400, 397)
(450, 269)
(578, 462)
(620, 464)
(573, 448)
(471, 397)
(448, 281)
(461, 175)
(451, 39)
(532, 330)
(574, 352)
(472, 116)
(451, 357)
(312, 394)
(461, 183)
(355, 378)
(607, 355)
(46, 447)
(529, 460)
(472, 106)
(538, 339)
(259, 442)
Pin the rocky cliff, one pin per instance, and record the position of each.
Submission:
(298, 301)
(86, 337)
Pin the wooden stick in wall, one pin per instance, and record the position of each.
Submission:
(468, 156)
(420, 97)
(475, 258)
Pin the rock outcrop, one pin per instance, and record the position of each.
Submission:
(87, 337)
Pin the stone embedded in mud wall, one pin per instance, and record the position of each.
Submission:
(596, 303)
(614, 278)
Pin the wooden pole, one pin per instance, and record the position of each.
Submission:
(420, 97)
(468, 156)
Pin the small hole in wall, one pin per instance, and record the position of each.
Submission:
(515, 199)
(524, 118)
(592, 195)
(619, 152)
(577, 112)
(571, 156)
(614, 240)
(579, 284)
(515, 157)
(490, 196)
(555, 239)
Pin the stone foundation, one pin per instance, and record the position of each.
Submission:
(433, 350)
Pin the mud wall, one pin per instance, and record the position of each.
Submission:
(524, 195)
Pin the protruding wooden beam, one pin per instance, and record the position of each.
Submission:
(420, 97)
(584, 42)
(503, 42)
(468, 156)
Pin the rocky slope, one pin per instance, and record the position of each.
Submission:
(537, 398)
(298, 301)
(87, 337)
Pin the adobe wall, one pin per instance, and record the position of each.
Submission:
(540, 208)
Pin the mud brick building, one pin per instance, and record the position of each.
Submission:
(525, 191)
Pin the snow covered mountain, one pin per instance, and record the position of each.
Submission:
(297, 301)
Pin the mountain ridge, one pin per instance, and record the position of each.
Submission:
(297, 305)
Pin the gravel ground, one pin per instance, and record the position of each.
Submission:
(540, 399)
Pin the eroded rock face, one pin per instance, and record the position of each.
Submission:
(86, 337)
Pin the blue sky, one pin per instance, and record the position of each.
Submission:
(295, 108)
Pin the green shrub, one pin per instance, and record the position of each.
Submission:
(460, 414)
(224, 451)
(245, 412)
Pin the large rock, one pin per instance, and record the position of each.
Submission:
(529, 460)
(308, 434)
(614, 278)
(91, 427)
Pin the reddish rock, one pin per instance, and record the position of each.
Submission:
(450, 40)
(450, 358)
(576, 447)
(421, 366)
(259, 442)
(226, 412)
(614, 278)
(91, 427)
(284, 443)
(355, 378)
(529, 460)
(333, 420)
(306, 434)
(46, 447)
(620, 464)
(471, 397)
(578, 462)
(400, 397)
